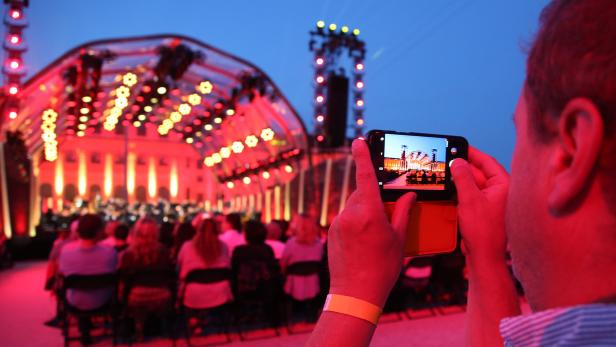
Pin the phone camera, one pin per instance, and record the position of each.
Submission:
(454, 150)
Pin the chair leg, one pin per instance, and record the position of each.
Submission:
(65, 329)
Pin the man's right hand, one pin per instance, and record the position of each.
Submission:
(482, 185)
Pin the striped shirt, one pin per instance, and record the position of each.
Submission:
(585, 325)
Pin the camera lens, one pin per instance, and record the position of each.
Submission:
(453, 151)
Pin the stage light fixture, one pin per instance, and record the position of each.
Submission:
(344, 29)
(230, 112)
(332, 27)
(320, 24)
(320, 61)
(288, 168)
(194, 99)
(129, 79)
(208, 127)
(359, 84)
(184, 109)
(267, 134)
(161, 90)
(320, 118)
(246, 180)
(217, 120)
(148, 108)
(230, 185)
(356, 32)
(175, 117)
(225, 152)
(237, 147)
(251, 141)
(266, 175)
(205, 87)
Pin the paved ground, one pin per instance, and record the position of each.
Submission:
(24, 306)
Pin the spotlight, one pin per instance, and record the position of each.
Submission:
(359, 84)
(194, 99)
(13, 90)
(359, 66)
(230, 185)
(332, 27)
(251, 141)
(288, 168)
(209, 162)
(360, 122)
(80, 133)
(266, 175)
(267, 134)
(217, 158)
(237, 147)
(175, 117)
(320, 118)
(14, 64)
(184, 109)
(320, 138)
(136, 124)
(12, 114)
(83, 119)
(230, 112)
(217, 120)
(356, 32)
(147, 108)
(14, 39)
(16, 14)
(320, 24)
(246, 180)
(320, 61)
(225, 152)
(142, 117)
(161, 90)
(359, 103)
(320, 79)
(208, 127)
(84, 110)
(129, 79)
(320, 99)
(189, 140)
(344, 29)
(205, 87)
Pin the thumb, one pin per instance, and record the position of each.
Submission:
(464, 180)
(400, 216)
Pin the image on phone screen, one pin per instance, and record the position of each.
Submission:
(414, 162)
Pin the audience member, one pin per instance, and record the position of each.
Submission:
(86, 257)
(183, 232)
(109, 236)
(231, 227)
(304, 246)
(204, 251)
(120, 235)
(274, 232)
(166, 234)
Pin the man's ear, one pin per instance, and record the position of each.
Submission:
(579, 142)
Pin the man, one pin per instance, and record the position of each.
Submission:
(561, 232)
(231, 227)
(86, 257)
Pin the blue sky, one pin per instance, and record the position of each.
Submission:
(437, 66)
(393, 145)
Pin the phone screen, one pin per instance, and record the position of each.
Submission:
(413, 162)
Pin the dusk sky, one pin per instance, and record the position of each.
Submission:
(452, 67)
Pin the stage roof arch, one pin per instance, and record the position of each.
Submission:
(169, 86)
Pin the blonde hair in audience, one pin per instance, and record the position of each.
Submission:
(145, 241)
(206, 241)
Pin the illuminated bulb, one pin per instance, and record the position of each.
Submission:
(208, 127)
(246, 180)
(237, 147)
(320, 61)
(121, 103)
(320, 138)
(137, 124)
(82, 127)
(288, 168)
(80, 133)
(84, 110)
(320, 99)
(359, 84)
(184, 109)
(217, 158)
(12, 114)
(86, 99)
(360, 122)
(194, 99)
(344, 29)
(147, 108)
(205, 87)
(251, 141)
(14, 64)
(230, 112)
(209, 162)
(122, 92)
(129, 79)
(15, 14)
(217, 120)
(320, 24)
(154, 100)
(14, 39)
(359, 66)
(13, 90)
(175, 117)
(83, 119)
(320, 79)
(161, 90)
(320, 118)
(267, 134)
(332, 27)
(189, 140)
(360, 103)
(356, 32)
(141, 117)
(168, 123)
(225, 152)
(230, 185)
(266, 175)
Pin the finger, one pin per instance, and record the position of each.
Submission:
(480, 178)
(365, 178)
(465, 182)
(400, 217)
(491, 168)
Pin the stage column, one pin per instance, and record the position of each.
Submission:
(6, 219)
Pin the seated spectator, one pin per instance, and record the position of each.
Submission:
(304, 246)
(254, 264)
(146, 254)
(86, 257)
(120, 234)
(231, 226)
(204, 251)
(274, 232)
(109, 238)
(183, 232)
(166, 234)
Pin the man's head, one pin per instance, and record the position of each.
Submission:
(561, 207)
(232, 221)
(89, 226)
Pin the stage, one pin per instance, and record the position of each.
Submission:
(24, 306)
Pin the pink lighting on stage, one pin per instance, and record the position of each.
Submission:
(173, 180)
(320, 138)
(108, 175)
(16, 14)
(82, 174)
(266, 175)
(13, 90)
(12, 114)
(131, 174)
(14, 39)
(59, 178)
(152, 178)
(246, 180)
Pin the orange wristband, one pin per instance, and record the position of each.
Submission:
(353, 307)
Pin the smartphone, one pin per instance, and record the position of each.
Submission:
(420, 163)
(415, 162)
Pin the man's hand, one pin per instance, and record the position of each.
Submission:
(482, 192)
(365, 251)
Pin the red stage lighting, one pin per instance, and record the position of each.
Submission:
(16, 14)
(13, 90)
(14, 39)
(359, 66)
(320, 138)
(12, 114)
(14, 64)
(359, 84)
(320, 79)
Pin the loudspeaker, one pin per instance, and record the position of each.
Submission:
(334, 125)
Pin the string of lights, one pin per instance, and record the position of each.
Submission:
(14, 46)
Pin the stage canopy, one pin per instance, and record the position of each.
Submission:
(170, 88)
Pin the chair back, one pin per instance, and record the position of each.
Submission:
(90, 282)
(152, 278)
(304, 268)
(208, 276)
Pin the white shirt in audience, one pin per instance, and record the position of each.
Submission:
(277, 247)
(232, 238)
